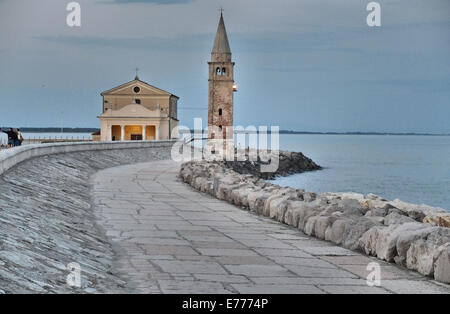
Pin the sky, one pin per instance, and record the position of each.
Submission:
(307, 65)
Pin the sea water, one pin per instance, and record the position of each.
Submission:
(415, 169)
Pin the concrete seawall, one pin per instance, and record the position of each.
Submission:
(46, 216)
(11, 157)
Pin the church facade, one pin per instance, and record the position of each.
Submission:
(138, 111)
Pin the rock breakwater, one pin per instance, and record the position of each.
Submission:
(413, 236)
(288, 163)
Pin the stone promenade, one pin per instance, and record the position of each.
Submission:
(169, 238)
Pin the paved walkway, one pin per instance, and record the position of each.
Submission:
(171, 239)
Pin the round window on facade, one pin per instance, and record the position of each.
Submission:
(136, 89)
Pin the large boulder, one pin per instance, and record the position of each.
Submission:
(260, 201)
(407, 207)
(207, 187)
(281, 211)
(186, 173)
(372, 201)
(240, 196)
(351, 207)
(198, 182)
(222, 182)
(405, 240)
(310, 224)
(283, 194)
(368, 241)
(273, 197)
(444, 221)
(416, 214)
(297, 209)
(438, 219)
(354, 231)
(229, 192)
(223, 190)
(442, 263)
(335, 232)
(422, 253)
(394, 218)
(344, 196)
(277, 206)
(377, 212)
(309, 196)
(322, 224)
(305, 212)
(420, 257)
(291, 216)
(253, 196)
(387, 241)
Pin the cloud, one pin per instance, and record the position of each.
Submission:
(293, 69)
(177, 44)
(413, 85)
(248, 43)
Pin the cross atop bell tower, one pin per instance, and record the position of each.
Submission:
(221, 83)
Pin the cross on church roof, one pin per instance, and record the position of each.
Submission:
(137, 70)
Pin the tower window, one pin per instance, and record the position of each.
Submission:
(224, 71)
(220, 112)
(218, 71)
(220, 128)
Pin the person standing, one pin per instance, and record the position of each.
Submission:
(12, 136)
(19, 138)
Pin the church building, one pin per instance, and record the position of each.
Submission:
(138, 111)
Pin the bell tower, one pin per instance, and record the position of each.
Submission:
(221, 87)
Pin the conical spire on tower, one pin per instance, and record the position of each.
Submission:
(221, 49)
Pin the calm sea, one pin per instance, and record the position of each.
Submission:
(415, 169)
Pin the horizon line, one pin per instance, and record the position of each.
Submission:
(88, 129)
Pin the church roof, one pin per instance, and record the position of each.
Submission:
(221, 44)
(137, 80)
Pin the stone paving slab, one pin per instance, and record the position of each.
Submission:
(172, 239)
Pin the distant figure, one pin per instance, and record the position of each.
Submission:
(19, 138)
(12, 137)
